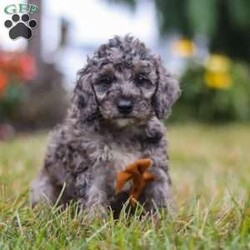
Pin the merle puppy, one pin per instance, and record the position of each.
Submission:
(120, 98)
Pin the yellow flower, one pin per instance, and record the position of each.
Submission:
(218, 80)
(217, 63)
(217, 73)
(184, 47)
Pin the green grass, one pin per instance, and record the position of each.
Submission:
(210, 169)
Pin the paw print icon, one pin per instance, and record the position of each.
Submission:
(20, 26)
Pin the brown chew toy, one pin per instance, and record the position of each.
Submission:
(136, 172)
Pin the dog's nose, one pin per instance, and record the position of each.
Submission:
(125, 106)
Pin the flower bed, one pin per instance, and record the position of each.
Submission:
(16, 70)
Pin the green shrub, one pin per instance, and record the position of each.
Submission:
(216, 91)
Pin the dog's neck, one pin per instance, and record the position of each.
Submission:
(150, 131)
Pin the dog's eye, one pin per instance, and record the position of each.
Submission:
(142, 80)
(105, 82)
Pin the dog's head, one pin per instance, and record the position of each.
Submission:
(124, 83)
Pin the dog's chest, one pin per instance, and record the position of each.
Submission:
(122, 155)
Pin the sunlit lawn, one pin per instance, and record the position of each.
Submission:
(210, 169)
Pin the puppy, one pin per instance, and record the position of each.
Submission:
(115, 118)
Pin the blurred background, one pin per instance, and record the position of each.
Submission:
(206, 44)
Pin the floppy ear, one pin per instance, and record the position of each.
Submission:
(84, 98)
(167, 91)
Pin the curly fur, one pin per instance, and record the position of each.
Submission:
(95, 141)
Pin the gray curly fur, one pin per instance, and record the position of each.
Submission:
(95, 141)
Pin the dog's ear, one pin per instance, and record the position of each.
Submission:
(84, 97)
(167, 91)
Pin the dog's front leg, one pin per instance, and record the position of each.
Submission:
(101, 191)
(157, 194)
